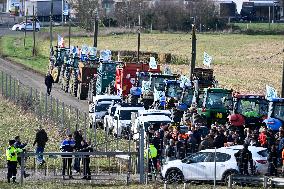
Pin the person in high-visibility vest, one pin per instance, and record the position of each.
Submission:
(152, 154)
(283, 161)
(12, 160)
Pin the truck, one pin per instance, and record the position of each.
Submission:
(217, 104)
(122, 119)
(252, 108)
(275, 117)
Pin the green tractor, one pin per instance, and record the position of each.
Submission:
(217, 104)
(105, 76)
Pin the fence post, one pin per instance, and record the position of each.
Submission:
(2, 83)
(265, 182)
(6, 85)
(51, 107)
(57, 109)
(18, 96)
(36, 102)
(31, 98)
(85, 125)
(22, 167)
(63, 112)
(77, 118)
(10, 86)
(40, 96)
(141, 155)
(45, 105)
(69, 116)
(14, 90)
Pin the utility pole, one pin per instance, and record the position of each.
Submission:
(193, 51)
(26, 15)
(96, 30)
(34, 28)
(69, 36)
(282, 89)
(138, 41)
(50, 29)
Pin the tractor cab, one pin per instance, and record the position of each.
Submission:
(187, 95)
(251, 110)
(173, 89)
(216, 105)
(275, 114)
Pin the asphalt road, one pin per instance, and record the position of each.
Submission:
(36, 81)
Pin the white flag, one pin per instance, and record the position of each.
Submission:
(153, 63)
(207, 60)
(270, 92)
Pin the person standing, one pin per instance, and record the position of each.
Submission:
(86, 160)
(48, 82)
(152, 154)
(67, 145)
(21, 146)
(12, 159)
(244, 157)
(40, 140)
(272, 161)
(78, 139)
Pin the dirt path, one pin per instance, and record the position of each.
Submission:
(36, 81)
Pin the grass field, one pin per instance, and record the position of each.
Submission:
(243, 62)
(261, 28)
(14, 121)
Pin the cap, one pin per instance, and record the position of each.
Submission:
(11, 142)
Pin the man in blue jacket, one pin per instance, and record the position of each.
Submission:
(67, 145)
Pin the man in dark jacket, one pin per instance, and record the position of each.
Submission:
(67, 145)
(86, 160)
(244, 156)
(78, 139)
(40, 139)
(20, 145)
(48, 82)
(272, 161)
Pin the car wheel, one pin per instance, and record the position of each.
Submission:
(36, 29)
(227, 174)
(23, 29)
(174, 176)
(17, 29)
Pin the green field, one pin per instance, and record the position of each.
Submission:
(260, 28)
(243, 62)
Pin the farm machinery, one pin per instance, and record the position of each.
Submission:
(249, 110)
(275, 118)
(57, 61)
(128, 77)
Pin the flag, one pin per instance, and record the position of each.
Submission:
(60, 41)
(207, 60)
(152, 63)
(270, 92)
(105, 55)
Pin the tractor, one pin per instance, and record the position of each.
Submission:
(217, 104)
(105, 76)
(61, 54)
(275, 118)
(127, 79)
(249, 110)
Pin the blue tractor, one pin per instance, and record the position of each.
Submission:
(275, 118)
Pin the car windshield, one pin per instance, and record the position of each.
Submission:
(159, 83)
(219, 100)
(278, 111)
(174, 90)
(154, 125)
(101, 107)
(252, 107)
(126, 114)
(187, 97)
(263, 153)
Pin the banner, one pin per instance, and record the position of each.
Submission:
(270, 92)
(207, 60)
(153, 63)
(105, 55)
(60, 41)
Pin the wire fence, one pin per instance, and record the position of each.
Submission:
(46, 108)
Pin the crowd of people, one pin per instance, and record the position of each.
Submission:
(178, 142)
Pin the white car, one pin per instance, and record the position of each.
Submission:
(98, 112)
(259, 156)
(106, 98)
(28, 26)
(201, 166)
(16, 27)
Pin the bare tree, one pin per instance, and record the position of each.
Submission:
(85, 12)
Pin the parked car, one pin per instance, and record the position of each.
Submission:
(98, 112)
(16, 26)
(29, 26)
(200, 165)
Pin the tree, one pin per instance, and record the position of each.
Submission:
(85, 12)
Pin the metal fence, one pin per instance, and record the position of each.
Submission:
(46, 108)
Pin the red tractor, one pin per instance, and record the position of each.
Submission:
(126, 76)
